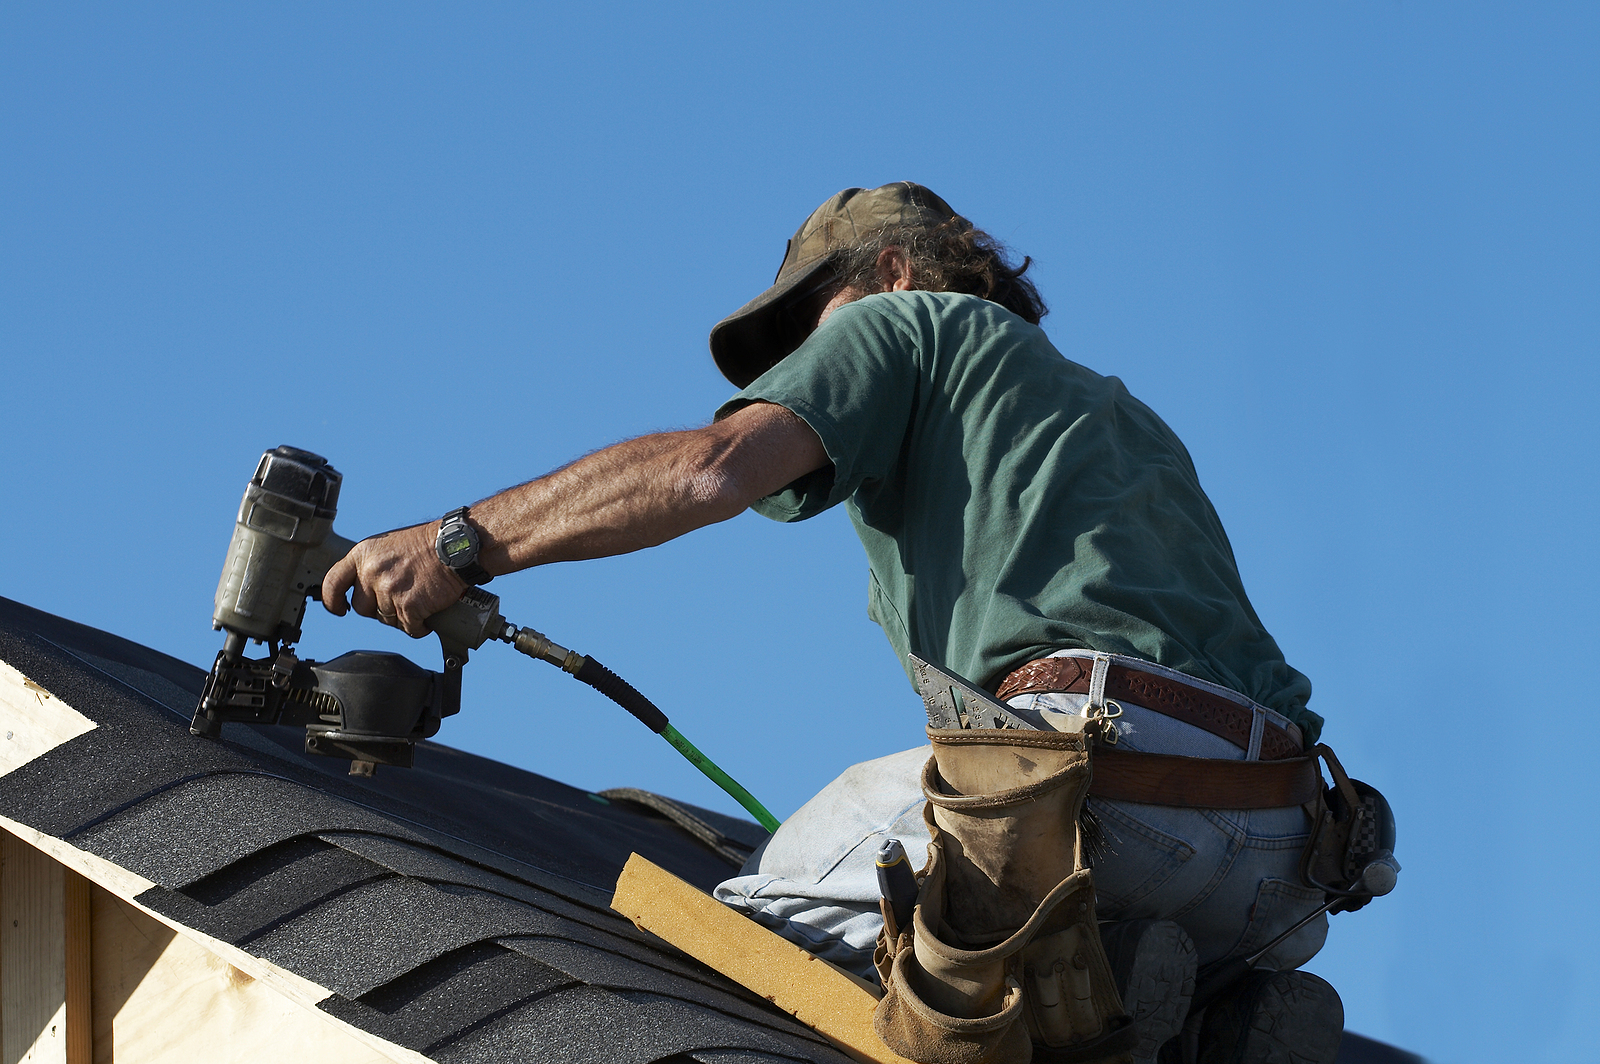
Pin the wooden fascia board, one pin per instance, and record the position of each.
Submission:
(128, 886)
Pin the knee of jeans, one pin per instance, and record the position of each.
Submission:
(826, 838)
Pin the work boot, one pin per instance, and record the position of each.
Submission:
(1004, 950)
(1274, 1018)
(1153, 964)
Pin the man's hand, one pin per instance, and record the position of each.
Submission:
(396, 577)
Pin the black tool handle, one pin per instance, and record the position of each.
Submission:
(896, 882)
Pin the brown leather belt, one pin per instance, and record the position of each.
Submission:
(1203, 782)
(1283, 776)
(1215, 714)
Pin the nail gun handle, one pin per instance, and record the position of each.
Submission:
(317, 562)
(470, 621)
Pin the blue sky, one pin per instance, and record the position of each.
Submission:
(1347, 251)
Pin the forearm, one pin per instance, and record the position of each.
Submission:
(645, 491)
(631, 495)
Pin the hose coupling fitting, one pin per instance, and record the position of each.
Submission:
(538, 645)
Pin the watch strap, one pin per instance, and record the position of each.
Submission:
(473, 573)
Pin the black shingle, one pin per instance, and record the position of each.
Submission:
(362, 938)
(249, 897)
(590, 1024)
(199, 826)
(421, 862)
(613, 971)
(438, 1001)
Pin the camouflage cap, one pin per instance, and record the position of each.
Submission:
(754, 338)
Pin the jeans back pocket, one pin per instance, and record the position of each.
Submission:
(1138, 859)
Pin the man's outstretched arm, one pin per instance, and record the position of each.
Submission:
(631, 495)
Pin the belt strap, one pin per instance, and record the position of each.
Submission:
(1178, 700)
(1203, 782)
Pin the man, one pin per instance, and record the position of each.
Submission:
(1030, 526)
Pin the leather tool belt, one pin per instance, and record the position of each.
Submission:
(1284, 776)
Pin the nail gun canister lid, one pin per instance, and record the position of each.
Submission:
(301, 476)
(379, 692)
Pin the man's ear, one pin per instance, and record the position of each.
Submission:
(894, 270)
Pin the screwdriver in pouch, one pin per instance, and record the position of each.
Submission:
(896, 882)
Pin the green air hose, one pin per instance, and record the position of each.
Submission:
(620, 691)
(720, 778)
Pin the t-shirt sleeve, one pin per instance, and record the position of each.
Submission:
(854, 381)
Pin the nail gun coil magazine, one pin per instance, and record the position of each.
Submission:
(366, 705)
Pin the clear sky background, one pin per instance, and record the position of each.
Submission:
(1347, 250)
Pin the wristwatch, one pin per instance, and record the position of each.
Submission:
(457, 546)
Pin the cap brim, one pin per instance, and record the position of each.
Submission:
(752, 339)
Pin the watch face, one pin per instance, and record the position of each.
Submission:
(458, 544)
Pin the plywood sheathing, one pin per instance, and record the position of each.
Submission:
(32, 721)
(33, 960)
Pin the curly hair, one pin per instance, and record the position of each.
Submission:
(953, 256)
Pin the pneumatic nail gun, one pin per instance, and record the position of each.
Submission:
(370, 706)
(367, 705)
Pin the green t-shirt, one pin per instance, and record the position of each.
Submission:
(1012, 502)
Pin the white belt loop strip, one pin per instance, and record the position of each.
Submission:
(1258, 727)
(1097, 685)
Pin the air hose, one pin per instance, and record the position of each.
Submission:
(537, 645)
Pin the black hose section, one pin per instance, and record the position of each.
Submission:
(622, 693)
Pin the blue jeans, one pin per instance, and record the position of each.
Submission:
(1230, 877)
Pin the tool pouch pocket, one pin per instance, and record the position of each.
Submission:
(1059, 980)
(891, 940)
(1070, 1000)
(917, 1017)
